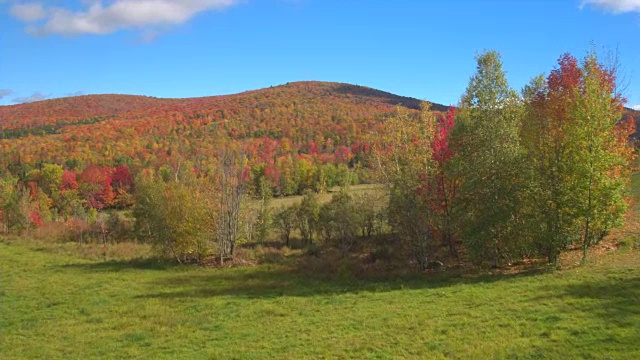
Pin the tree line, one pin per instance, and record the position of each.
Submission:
(516, 175)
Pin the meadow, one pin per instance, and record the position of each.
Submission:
(377, 191)
(57, 306)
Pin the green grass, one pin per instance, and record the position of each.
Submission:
(56, 306)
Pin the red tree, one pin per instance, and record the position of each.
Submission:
(95, 186)
(121, 178)
(69, 181)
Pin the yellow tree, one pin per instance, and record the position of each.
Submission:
(404, 157)
(602, 151)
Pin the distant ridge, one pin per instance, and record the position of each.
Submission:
(74, 109)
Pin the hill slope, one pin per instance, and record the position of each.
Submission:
(79, 108)
(303, 117)
(636, 115)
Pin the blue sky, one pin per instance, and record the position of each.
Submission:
(184, 48)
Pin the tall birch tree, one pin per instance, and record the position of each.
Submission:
(489, 158)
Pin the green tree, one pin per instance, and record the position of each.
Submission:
(307, 217)
(339, 221)
(15, 205)
(173, 217)
(604, 154)
(488, 159)
(370, 213)
(552, 219)
(285, 221)
(264, 217)
(51, 180)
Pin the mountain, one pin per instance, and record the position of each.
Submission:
(628, 112)
(309, 117)
(84, 108)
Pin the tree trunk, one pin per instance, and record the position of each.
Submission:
(585, 243)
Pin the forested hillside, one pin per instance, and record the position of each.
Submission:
(307, 114)
(635, 114)
(314, 122)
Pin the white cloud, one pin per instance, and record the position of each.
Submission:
(99, 18)
(36, 96)
(5, 92)
(28, 12)
(614, 6)
(636, 107)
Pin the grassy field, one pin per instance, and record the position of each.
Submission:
(56, 306)
(375, 190)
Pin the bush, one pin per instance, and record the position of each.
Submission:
(285, 221)
(173, 218)
(307, 217)
(120, 227)
(53, 231)
(269, 255)
(340, 221)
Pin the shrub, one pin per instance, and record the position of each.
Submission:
(173, 218)
(340, 221)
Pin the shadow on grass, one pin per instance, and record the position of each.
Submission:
(269, 281)
(615, 300)
(610, 307)
(124, 265)
(273, 283)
